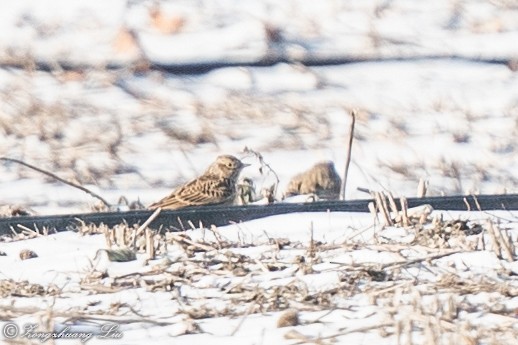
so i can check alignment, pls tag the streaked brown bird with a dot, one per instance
(217, 186)
(321, 179)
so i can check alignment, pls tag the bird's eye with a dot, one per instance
(229, 164)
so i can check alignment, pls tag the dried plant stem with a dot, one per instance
(120, 236)
(422, 188)
(145, 225)
(361, 329)
(263, 163)
(404, 211)
(311, 252)
(392, 203)
(183, 239)
(400, 264)
(373, 211)
(348, 157)
(381, 203)
(150, 244)
(500, 244)
(109, 237)
(494, 242)
(75, 185)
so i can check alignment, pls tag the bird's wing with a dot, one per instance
(202, 191)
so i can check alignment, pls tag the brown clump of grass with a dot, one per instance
(12, 288)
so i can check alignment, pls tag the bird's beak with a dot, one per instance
(244, 165)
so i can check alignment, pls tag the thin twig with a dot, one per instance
(201, 246)
(348, 157)
(146, 224)
(361, 329)
(26, 229)
(86, 190)
(414, 261)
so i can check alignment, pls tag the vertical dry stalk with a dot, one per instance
(385, 208)
(494, 242)
(373, 212)
(421, 188)
(381, 203)
(108, 236)
(312, 242)
(392, 203)
(150, 244)
(504, 246)
(348, 157)
(404, 210)
(120, 236)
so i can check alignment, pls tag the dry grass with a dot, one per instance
(411, 303)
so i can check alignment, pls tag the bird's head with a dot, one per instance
(226, 166)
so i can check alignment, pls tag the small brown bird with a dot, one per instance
(217, 186)
(322, 180)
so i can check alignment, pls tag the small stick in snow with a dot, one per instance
(145, 225)
(345, 331)
(184, 239)
(414, 261)
(27, 230)
(149, 220)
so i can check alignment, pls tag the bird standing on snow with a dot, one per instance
(217, 186)
(322, 180)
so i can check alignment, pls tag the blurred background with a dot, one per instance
(132, 98)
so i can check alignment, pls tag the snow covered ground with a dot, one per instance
(323, 277)
(85, 94)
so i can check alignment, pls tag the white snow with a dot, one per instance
(436, 100)
(65, 258)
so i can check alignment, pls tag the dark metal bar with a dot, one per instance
(177, 220)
